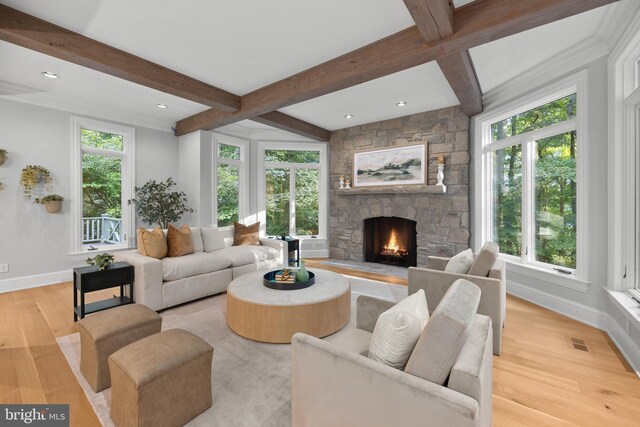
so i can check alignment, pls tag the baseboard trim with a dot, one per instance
(627, 347)
(572, 309)
(314, 253)
(36, 280)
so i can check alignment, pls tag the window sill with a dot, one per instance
(549, 276)
(83, 255)
(626, 304)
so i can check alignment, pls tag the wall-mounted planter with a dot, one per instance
(3, 156)
(53, 206)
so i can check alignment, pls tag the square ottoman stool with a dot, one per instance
(108, 331)
(161, 380)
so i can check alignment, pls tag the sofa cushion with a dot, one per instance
(485, 260)
(243, 255)
(246, 234)
(179, 241)
(212, 239)
(196, 234)
(152, 243)
(191, 265)
(398, 329)
(460, 263)
(445, 334)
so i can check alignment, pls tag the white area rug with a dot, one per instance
(250, 380)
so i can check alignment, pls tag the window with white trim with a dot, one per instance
(229, 178)
(103, 183)
(530, 156)
(293, 189)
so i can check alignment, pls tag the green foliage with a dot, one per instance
(555, 185)
(49, 198)
(101, 175)
(228, 187)
(307, 198)
(291, 156)
(33, 176)
(103, 261)
(156, 203)
(278, 196)
(226, 151)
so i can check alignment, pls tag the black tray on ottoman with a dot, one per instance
(269, 282)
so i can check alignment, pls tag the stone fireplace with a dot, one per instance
(441, 220)
(390, 240)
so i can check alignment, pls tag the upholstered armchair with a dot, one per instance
(334, 383)
(493, 300)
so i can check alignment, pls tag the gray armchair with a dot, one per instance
(493, 300)
(335, 384)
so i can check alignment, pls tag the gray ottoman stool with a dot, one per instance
(108, 331)
(162, 380)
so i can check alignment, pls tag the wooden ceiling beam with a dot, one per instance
(434, 18)
(36, 34)
(477, 23)
(291, 124)
(461, 75)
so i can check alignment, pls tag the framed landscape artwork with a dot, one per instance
(390, 166)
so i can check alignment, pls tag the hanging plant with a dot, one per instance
(31, 177)
(3, 156)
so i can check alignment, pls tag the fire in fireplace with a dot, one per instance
(390, 240)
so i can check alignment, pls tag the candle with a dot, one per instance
(440, 159)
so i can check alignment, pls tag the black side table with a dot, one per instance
(90, 279)
(293, 251)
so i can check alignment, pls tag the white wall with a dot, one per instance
(32, 241)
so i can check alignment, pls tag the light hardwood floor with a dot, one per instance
(540, 379)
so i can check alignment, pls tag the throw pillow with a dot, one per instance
(152, 243)
(398, 329)
(212, 238)
(196, 234)
(246, 234)
(460, 263)
(485, 260)
(179, 241)
(445, 334)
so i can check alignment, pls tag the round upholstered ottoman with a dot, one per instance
(161, 380)
(106, 332)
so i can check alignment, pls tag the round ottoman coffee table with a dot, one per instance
(269, 315)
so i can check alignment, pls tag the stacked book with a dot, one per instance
(285, 276)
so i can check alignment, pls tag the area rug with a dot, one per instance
(250, 380)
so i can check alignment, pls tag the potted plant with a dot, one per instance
(3, 156)
(103, 261)
(52, 202)
(32, 176)
(156, 204)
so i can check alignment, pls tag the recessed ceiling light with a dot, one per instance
(401, 103)
(161, 106)
(348, 116)
(50, 75)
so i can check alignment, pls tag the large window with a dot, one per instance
(103, 177)
(229, 181)
(293, 194)
(531, 181)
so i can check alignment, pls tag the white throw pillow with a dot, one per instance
(397, 330)
(460, 263)
(212, 239)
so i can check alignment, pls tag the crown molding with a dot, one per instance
(268, 135)
(567, 61)
(616, 21)
(83, 109)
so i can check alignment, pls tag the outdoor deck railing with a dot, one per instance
(101, 229)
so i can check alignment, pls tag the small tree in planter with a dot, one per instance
(155, 203)
(52, 202)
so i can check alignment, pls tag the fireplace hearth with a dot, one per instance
(390, 240)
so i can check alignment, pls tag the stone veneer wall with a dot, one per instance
(443, 219)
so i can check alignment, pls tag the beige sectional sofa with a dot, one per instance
(162, 283)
